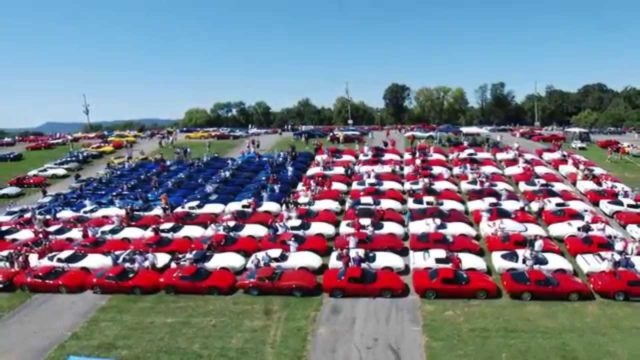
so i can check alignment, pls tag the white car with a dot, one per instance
(336, 170)
(578, 145)
(611, 207)
(510, 226)
(421, 134)
(123, 233)
(300, 227)
(489, 202)
(76, 260)
(320, 205)
(384, 204)
(506, 155)
(14, 234)
(288, 260)
(380, 227)
(379, 260)
(601, 261)
(174, 230)
(439, 185)
(14, 214)
(231, 261)
(468, 185)
(377, 169)
(575, 227)
(337, 157)
(556, 203)
(536, 184)
(430, 201)
(432, 226)
(586, 185)
(198, 207)
(565, 170)
(267, 206)
(384, 185)
(60, 232)
(548, 156)
(69, 166)
(385, 156)
(433, 169)
(10, 192)
(241, 230)
(335, 185)
(49, 172)
(93, 211)
(515, 260)
(437, 258)
(617, 186)
(634, 231)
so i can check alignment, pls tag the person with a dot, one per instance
(456, 263)
(293, 245)
(609, 153)
(632, 248)
(164, 200)
(43, 191)
(357, 260)
(353, 241)
(538, 245)
(266, 259)
(618, 246)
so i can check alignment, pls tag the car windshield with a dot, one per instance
(368, 276)
(520, 277)
(433, 274)
(510, 256)
(503, 213)
(74, 258)
(461, 277)
(61, 230)
(199, 274)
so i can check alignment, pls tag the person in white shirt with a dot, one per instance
(293, 245)
(538, 245)
(353, 242)
(588, 217)
(618, 246)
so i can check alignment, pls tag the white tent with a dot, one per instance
(473, 130)
(576, 130)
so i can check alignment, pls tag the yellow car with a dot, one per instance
(102, 148)
(198, 135)
(120, 159)
(129, 139)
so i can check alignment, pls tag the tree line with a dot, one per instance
(592, 105)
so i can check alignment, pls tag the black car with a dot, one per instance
(10, 156)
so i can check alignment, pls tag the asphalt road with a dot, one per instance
(366, 328)
(40, 324)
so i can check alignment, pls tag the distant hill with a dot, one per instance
(51, 127)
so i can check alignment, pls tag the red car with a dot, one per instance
(165, 244)
(382, 177)
(561, 215)
(458, 243)
(512, 242)
(315, 243)
(530, 284)
(478, 194)
(379, 242)
(247, 217)
(143, 221)
(607, 143)
(617, 284)
(357, 281)
(243, 245)
(548, 193)
(197, 280)
(39, 146)
(120, 280)
(520, 216)
(587, 245)
(450, 283)
(187, 218)
(52, 279)
(378, 193)
(85, 221)
(437, 213)
(6, 278)
(441, 194)
(268, 280)
(28, 181)
(325, 216)
(97, 245)
(375, 214)
(595, 196)
(627, 218)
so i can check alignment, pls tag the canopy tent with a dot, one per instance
(448, 129)
(473, 130)
(576, 130)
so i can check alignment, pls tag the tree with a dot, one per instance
(361, 113)
(397, 99)
(501, 102)
(596, 97)
(196, 117)
(441, 104)
(631, 96)
(262, 115)
(586, 119)
(482, 99)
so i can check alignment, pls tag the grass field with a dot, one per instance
(505, 329)
(199, 148)
(627, 169)
(196, 327)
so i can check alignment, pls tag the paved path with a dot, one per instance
(46, 320)
(372, 329)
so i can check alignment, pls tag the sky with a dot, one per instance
(158, 58)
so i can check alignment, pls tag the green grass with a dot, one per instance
(31, 160)
(627, 169)
(505, 329)
(10, 301)
(196, 327)
(199, 148)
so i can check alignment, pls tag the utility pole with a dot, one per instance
(535, 104)
(85, 110)
(350, 121)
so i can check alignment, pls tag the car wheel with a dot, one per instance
(620, 296)
(136, 291)
(574, 296)
(97, 290)
(213, 291)
(62, 289)
(482, 294)
(430, 294)
(337, 293)
(526, 296)
(297, 292)
(169, 290)
(386, 293)
(253, 291)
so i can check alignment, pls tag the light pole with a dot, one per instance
(349, 121)
(85, 110)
